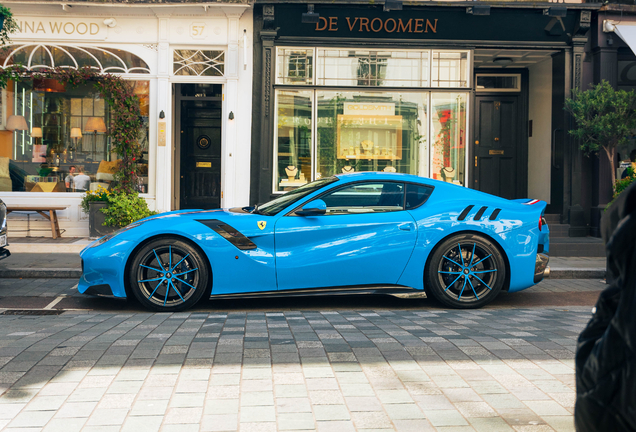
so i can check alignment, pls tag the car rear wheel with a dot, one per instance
(168, 275)
(465, 271)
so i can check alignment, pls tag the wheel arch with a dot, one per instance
(479, 234)
(165, 235)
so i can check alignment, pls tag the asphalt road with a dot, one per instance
(61, 294)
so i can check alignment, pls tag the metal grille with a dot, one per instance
(198, 62)
(31, 312)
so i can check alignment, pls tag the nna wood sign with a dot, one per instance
(436, 23)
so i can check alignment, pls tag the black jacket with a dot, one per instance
(605, 357)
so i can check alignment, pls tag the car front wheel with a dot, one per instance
(168, 275)
(466, 271)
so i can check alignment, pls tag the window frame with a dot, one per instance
(498, 90)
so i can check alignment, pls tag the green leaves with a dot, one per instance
(124, 209)
(604, 117)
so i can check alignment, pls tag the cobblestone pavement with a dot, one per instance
(366, 370)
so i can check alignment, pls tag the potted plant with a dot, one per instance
(125, 208)
(93, 202)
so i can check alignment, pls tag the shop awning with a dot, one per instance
(628, 34)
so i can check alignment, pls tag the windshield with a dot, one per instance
(278, 204)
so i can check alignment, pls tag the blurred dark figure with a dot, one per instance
(606, 352)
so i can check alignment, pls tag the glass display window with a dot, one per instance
(370, 110)
(369, 131)
(63, 145)
(448, 145)
(293, 139)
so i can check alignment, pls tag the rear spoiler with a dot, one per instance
(527, 201)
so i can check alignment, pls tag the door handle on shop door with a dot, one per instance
(406, 226)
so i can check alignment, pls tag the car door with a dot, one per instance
(365, 237)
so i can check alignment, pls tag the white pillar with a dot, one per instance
(164, 182)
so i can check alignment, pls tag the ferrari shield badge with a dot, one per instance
(262, 224)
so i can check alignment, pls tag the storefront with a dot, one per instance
(451, 93)
(190, 65)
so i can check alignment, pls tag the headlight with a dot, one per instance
(104, 239)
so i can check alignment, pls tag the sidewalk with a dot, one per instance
(37, 261)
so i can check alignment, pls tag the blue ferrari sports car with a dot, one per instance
(354, 233)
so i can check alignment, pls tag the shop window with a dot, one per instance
(448, 112)
(369, 131)
(372, 68)
(198, 62)
(103, 60)
(450, 69)
(359, 198)
(295, 66)
(65, 146)
(293, 139)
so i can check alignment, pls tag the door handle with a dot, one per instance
(406, 226)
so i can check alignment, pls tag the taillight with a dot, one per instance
(540, 223)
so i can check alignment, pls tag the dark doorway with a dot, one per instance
(199, 110)
(498, 146)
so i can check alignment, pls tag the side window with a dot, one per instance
(365, 198)
(416, 195)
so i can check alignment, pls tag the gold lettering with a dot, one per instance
(94, 29)
(364, 22)
(85, 27)
(29, 27)
(333, 21)
(55, 27)
(351, 25)
(404, 28)
(66, 26)
(432, 27)
(386, 27)
(373, 28)
(419, 22)
(40, 28)
(321, 19)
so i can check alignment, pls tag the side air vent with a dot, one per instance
(465, 212)
(480, 213)
(229, 233)
(494, 214)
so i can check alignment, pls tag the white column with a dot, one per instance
(163, 178)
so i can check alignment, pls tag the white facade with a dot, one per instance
(152, 32)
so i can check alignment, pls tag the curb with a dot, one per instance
(577, 273)
(46, 247)
(29, 273)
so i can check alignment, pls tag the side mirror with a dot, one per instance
(313, 208)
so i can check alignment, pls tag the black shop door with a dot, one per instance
(200, 177)
(497, 145)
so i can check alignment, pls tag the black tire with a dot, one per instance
(168, 275)
(467, 281)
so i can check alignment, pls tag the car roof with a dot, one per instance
(372, 175)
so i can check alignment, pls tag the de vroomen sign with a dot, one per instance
(422, 23)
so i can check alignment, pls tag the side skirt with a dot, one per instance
(393, 290)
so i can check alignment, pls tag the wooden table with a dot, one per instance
(52, 216)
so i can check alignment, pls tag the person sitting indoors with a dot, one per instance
(81, 181)
(69, 181)
(630, 170)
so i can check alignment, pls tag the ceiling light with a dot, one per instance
(310, 17)
(556, 11)
(478, 10)
(390, 5)
(502, 61)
